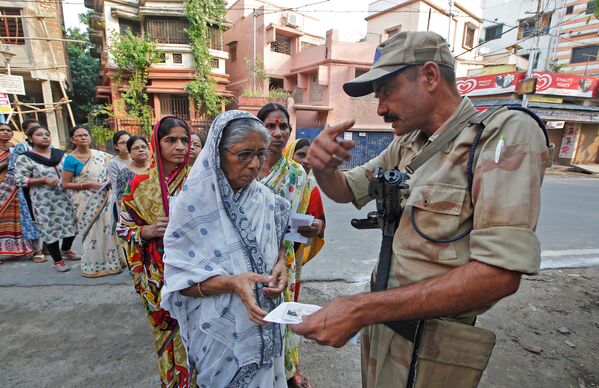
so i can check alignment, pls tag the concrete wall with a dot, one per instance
(304, 29)
(428, 15)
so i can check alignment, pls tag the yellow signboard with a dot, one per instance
(551, 100)
(4, 103)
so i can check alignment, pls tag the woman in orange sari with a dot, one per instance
(12, 243)
(141, 227)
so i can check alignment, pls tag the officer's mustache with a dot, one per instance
(390, 117)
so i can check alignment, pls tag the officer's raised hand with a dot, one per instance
(326, 152)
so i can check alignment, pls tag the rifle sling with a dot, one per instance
(408, 329)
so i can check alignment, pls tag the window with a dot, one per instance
(161, 57)
(126, 24)
(528, 27)
(492, 33)
(167, 30)
(569, 9)
(216, 39)
(177, 58)
(468, 39)
(282, 44)
(275, 83)
(392, 31)
(585, 53)
(591, 6)
(233, 51)
(173, 105)
(360, 72)
(12, 28)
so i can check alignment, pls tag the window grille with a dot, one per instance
(168, 30)
(11, 27)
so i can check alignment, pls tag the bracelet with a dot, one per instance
(80, 186)
(202, 295)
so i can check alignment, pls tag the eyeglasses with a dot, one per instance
(273, 126)
(139, 148)
(248, 156)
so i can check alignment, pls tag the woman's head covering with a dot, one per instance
(295, 145)
(214, 231)
(164, 180)
(148, 193)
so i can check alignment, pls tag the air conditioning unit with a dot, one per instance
(291, 19)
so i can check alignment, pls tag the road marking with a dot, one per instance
(570, 262)
(570, 252)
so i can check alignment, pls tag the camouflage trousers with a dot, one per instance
(386, 357)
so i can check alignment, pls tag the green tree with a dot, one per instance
(133, 56)
(85, 73)
(203, 15)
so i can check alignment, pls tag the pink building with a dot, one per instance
(310, 68)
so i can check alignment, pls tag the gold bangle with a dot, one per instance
(80, 186)
(202, 295)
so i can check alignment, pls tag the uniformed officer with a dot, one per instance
(413, 78)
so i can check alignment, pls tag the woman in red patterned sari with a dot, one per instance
(142, 222)
(12, 243)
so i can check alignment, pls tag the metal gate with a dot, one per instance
(368, 144)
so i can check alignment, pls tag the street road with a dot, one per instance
(567, 228)
(64, 330)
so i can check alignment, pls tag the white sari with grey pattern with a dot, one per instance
(213, 231)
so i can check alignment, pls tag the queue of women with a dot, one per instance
(202, 234)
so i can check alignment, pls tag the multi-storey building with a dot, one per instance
(457, 21)
(577, 42)
(270, 34)
(33, 46)
(166, 24)
(309, 63)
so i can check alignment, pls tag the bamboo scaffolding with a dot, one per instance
(35, 107)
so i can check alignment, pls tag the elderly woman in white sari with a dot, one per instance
(224, 266)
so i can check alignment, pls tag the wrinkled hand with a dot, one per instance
(332, 325)
(326, 153)
(51, 181)
(243, 286)
(156, 230)
(312, 230)
(278, 280)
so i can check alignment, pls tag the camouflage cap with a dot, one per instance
(401, 50)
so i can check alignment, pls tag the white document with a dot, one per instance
(291, 312)
(297, 220)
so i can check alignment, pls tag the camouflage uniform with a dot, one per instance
(504, 208)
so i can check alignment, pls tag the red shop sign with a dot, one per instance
(489, 84)
(566, 84)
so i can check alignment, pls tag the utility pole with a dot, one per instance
(254, 15)
(449, 20)
(534, 51)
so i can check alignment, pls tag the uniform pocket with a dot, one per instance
(437, 208)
